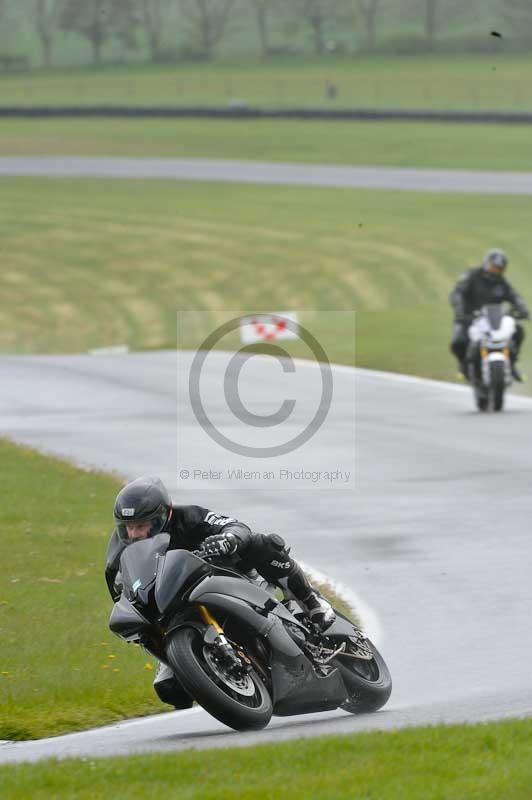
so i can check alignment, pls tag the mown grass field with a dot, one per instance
(89, 263)
(61, 669)
(394, 144)
(495, 81)
(446, 763)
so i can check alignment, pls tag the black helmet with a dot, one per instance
(143, 500)
(495, 261)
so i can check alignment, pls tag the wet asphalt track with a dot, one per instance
(433, 532)
(226, 170)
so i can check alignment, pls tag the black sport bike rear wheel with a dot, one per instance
(365, 675)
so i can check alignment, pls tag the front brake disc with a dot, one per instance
(241, 684)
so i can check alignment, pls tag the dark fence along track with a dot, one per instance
(249, 112)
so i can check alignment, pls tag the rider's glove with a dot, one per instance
(223, 544)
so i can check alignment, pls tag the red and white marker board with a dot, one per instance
(271, 327)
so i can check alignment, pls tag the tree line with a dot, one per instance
(206, 23)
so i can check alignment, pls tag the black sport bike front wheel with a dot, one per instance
(239, 700)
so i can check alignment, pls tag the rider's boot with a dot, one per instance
(168, 688)
(321, 612)
(297, 586)
(516, 373)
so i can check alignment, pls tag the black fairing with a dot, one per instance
(235, 587)
(178, 571)
(494, 313)
(127, 621)
(297, 688)
(138, 566)
(243, 589)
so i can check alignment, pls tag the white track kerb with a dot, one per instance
(433, 536)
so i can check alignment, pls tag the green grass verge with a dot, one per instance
(90, 263)
(61, 668)
(460, 82)
(339, 142)
(446, 763)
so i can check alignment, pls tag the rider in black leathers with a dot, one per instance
(477, 287)
(144, 508)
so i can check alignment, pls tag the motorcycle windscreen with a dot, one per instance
(494, 313)
(138, 563)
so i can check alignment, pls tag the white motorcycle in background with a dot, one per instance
(489, 363)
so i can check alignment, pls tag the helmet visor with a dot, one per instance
(131, 529)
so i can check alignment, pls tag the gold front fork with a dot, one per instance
(240, 661)
(209, 619)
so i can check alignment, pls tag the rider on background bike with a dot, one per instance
(478, 287)
(144, 508)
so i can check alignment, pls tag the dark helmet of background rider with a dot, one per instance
(145, 499)
(495, 262)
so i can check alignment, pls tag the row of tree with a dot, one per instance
(207, 21)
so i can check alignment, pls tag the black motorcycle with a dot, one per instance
(237, 650)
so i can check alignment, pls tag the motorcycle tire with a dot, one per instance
(245, 707)
(497, 384)
(368, 681)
